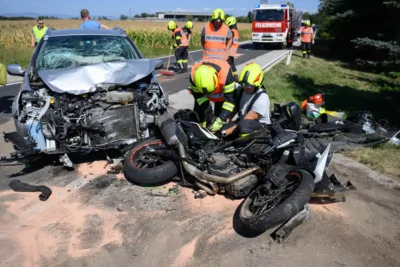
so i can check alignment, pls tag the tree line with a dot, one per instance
(364, 32)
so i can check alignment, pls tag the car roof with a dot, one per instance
(71, 32)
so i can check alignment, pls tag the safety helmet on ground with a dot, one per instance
(218, 14)
(317, 99)
(252, 75)
(189, 25)
(205, 79)
(230, 21)
(171, 25)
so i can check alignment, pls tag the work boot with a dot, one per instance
(308, 56)
(181, 68)
(304, 55)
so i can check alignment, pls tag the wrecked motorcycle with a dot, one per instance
(270, 168)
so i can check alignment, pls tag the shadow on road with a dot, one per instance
(5, 104)
(239, 227)
(53, 160)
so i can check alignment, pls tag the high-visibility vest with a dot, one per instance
(306, 34)
(38, 34)
(218, 94)
(235, 44)
(184, 40)
(215, 41)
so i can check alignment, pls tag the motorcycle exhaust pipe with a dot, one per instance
(209, 177)
(171, 131)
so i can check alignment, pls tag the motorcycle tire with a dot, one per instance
(152, 176)
(281, 213)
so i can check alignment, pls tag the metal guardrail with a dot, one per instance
(270, 64)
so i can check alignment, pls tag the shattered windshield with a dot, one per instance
(75, 51)
(269, 15)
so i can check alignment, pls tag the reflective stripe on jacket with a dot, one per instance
(218, 94)
(183, 39)
(215, 41)
(235, 44)
(306, 34)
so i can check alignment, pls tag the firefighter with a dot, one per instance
(231, 22)
(180, 45)
(307, 36)
(216, 37)
(188, 30)
(38, 32)
(254, 104)
(211, 79)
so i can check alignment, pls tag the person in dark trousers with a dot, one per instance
(211, 80)
(188, 31)
(231, 22)
(180, 45)
(307, 36)
(254, 106)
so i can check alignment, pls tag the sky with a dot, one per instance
(118, 7)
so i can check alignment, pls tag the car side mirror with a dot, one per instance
(159, 64)
(15, 70)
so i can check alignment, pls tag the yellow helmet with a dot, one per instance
(205, 79)
(252, 74)
(218, 14)
(171, 25)
(230, 21)
(189, 25)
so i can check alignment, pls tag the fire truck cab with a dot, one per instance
(275, 24)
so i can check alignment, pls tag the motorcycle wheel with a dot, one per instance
(261, 211)
(148, 169)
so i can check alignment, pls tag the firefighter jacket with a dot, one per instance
(225, 91)
(180, 38)
(215, 41)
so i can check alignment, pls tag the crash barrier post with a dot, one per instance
(276, 60)
(289, 57)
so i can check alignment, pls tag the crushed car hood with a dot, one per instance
(85, 79)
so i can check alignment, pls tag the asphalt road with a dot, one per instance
(95, 218)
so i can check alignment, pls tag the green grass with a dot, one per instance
(19, 55)
(345, 90)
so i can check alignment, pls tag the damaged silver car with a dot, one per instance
(84, 90)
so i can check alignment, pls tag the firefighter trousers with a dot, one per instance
(231, 61)
(306, 48)
(181, 57)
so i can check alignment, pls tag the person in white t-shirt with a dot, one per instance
(254, 107)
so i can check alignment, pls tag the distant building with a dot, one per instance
(183, 15)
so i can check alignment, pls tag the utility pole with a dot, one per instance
(130, 15)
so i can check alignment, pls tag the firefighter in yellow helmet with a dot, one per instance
(307, 37)
(216, 37)
(180, 45)
(188, 30)
(232, 24)
(254, 103)
(211, 79)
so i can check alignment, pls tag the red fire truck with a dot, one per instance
(275, 24)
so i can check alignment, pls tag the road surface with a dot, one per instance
(94, 218)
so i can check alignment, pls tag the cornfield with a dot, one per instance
(17, 34)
